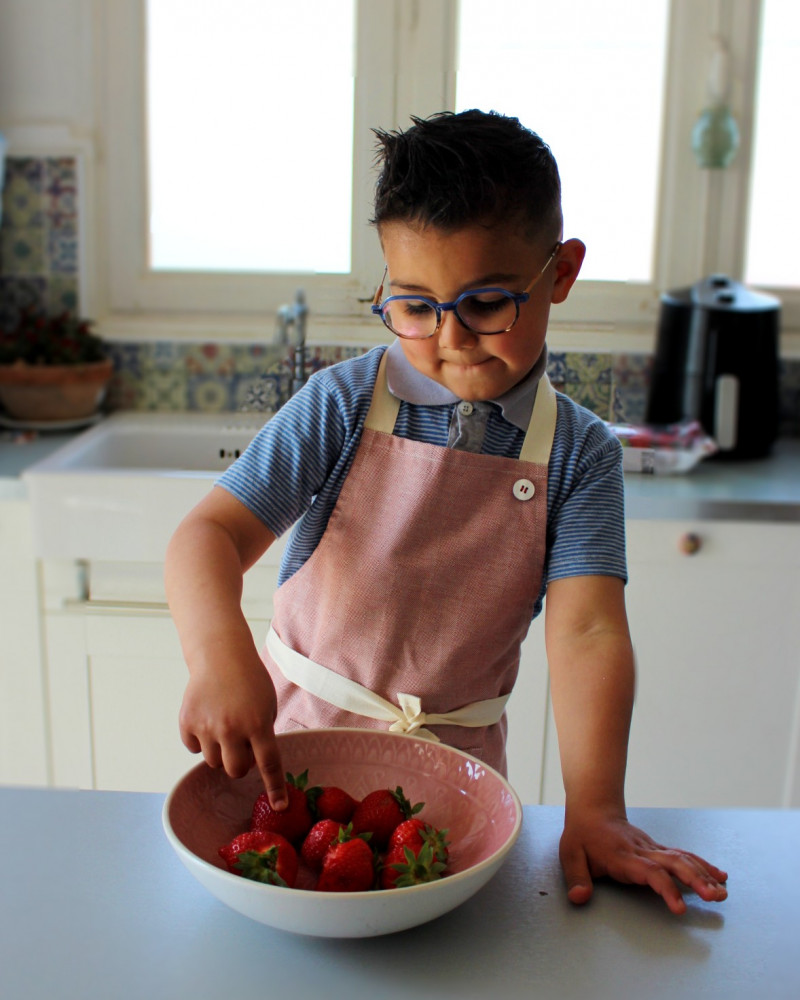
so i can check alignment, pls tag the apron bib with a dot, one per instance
(412, 608)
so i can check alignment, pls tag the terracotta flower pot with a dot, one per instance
(54, 392)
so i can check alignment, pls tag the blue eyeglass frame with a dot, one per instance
(518, 298)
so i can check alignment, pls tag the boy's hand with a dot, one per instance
(595, 844)
(228, 714)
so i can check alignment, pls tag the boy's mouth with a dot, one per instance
(467, 363)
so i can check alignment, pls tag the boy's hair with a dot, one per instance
(452, 170)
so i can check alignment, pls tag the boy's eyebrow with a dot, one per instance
(485, 281)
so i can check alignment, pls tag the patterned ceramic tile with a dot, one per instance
(595, 396)
(62, 294)
(254, 359)
(22, 193)
(39, 236)
(585, 367)
(557, 368)
(62, 252)
(208, 394)
(61, 186)
(630, 388)
(162, 390)
(22, 251)
(629, 403)
(161, 356)
(259, 393)
(127, 358)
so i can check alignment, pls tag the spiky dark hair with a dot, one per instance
(456, 169)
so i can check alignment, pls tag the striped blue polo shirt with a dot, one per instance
(291, 474)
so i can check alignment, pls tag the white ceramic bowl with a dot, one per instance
(479, 808)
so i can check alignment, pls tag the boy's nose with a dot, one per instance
(453, 335)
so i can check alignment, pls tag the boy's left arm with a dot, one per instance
(592, 685)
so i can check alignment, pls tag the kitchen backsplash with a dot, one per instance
(39, 266)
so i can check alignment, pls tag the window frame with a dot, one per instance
(406, 64)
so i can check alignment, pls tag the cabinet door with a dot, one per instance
(527, 717)
(136, 679)
(23, 742)
(715, 721)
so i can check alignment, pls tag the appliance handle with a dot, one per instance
(726, 411)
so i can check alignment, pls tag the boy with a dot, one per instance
(437, 488)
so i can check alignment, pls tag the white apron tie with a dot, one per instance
(350, 696)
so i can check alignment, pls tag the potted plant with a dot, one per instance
(52, 368)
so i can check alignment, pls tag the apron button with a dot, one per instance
(524, 489)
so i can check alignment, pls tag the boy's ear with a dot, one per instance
(567, 266)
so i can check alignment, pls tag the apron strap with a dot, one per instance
(538, 442)
(542, 427)
(350, 696)
(384, 407)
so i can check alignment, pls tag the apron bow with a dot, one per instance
(412, 719)
(351, 696)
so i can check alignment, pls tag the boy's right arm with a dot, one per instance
(229, 706)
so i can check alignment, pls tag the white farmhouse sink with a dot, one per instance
(118, 490)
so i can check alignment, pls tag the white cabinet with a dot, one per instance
(717, 715)
(116, 674)
(23, 723)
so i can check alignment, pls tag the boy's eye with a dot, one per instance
(416, 307)
(485, 303)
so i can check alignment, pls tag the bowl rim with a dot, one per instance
(276, 890)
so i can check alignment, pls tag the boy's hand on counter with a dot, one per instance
(228, 714)
(594, 845)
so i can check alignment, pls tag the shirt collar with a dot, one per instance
(412, 386)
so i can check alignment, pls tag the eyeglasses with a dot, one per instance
(487, 311)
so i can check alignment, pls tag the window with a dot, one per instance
(215, 163)
(615, 88)
(235, 173)
(595, 94)
(774, 215)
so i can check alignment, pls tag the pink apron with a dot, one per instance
(412, 608)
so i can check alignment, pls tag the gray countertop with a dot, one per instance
(94, 904)
(766, 489)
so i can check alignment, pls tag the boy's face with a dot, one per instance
(440, 265)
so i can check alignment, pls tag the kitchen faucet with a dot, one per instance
(291, 330)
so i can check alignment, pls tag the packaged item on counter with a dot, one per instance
(658, 449)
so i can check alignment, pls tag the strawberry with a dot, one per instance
(318, 839)
(295, 820)
(403, 867)
(415, 832)
(263, 856)
(380, 812)
(334, 803)
(349, 865)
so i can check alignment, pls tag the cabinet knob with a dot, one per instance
(690, 543)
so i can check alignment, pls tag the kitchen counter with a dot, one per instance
(765, 489)
(760, 490)
(95, 904)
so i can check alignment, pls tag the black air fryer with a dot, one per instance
(717, 361)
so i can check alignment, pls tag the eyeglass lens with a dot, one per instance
(485, 312)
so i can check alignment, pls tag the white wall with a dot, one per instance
(46, 64)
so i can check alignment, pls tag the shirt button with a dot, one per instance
(465, 408)
(524, 489)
